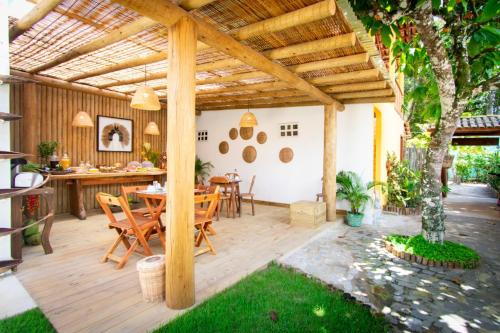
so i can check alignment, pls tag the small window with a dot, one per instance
(203, 135)
(289, 129)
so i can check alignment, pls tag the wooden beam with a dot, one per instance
(69, 85)
(31, 122)
(114, 36)
(258, 106)
(475, 141)
(179, 254)
(147, 77)
(363, 94)
(297, 99)
(326, 44)
(247, 87)
(37, 13)
(390, 99)
(329, 162)
(304, 15)
(341, 88)
(225, 63)
(158, 9)
(257, 95)
(349, 77)
(361, 58)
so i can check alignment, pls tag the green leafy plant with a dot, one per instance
(148, 153)
(403, 184)
(201, 169)
(448, 251)
(47, 149)
(475, 164)
(352, 189)
(31, 167)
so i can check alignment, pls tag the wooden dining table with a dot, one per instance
(235, 198)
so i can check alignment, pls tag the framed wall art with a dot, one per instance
(115, 134)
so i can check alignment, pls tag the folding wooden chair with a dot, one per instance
(129, 190)
(225, 196)
(203, 220)
(134, 227)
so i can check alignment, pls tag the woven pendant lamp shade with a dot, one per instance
(248, 120)
(145, 99)
(82, 119)
(152, 129)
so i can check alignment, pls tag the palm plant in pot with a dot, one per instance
(352, 189)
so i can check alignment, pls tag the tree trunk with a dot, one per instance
(433, 216)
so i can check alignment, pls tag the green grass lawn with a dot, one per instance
(31, 321)
(448, 251)
(278, 300)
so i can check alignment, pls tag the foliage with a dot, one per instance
(31, 167)
(482, 104)
(201, 169)
(278, 300)
(448, 251)
(352, 189)
(47, 149)
(473, 164)
(31, 321)
(148, 153)
(403, 184)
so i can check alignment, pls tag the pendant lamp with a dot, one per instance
(248, 119)
(145, 98)
(152, 129)
(82, 119)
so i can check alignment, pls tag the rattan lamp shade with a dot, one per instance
(152, 129)
(82, 119)
(248, 120)
(145, 99)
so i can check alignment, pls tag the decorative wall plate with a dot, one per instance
(262, 137)
(286, 155)
(249, 154)
(223, 147)
(246, 133)
(233, 133)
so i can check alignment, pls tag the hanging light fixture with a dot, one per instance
(248, 119)
(82, 119)
(152, 129)
(145, 98)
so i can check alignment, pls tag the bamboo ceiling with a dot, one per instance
(73, 24)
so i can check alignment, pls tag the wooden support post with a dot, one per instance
(329, 162)
(179, 256)
(31, 122)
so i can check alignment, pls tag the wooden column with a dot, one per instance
(179, 257)
(330, 161)
(31, 122)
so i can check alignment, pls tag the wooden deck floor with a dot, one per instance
(80, 294)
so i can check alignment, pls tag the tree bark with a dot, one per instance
(433, 216)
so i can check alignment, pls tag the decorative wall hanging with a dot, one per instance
(233, 133)
(289, 129)
(246, 133)
(223, 147)
(114, 134)
(249, 154)
(286, 155)
(203, 135)
(262, 137)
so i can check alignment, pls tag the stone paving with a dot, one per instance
(413, 297)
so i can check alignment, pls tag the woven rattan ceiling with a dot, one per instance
(73, 24)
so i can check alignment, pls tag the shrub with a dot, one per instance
(403, 184)
(474, 164)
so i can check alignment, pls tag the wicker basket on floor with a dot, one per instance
(152, 278)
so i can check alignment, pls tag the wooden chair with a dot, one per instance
(225, 196)
(203, 220)
(250, 194)
(129, 190)
(134, 227)
(320, 195)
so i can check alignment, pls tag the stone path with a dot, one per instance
(413, 297)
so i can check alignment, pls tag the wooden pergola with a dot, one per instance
(203, 55)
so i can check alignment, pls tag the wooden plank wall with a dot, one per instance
(57, 108)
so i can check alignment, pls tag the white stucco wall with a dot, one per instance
(301, 178)
(4, 128)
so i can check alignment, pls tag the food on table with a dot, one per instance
(65, 161)
(133, 166)
(93, 170)
(148, 164)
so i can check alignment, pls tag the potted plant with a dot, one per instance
(201, 169)
(352, 189)
(47, 149)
